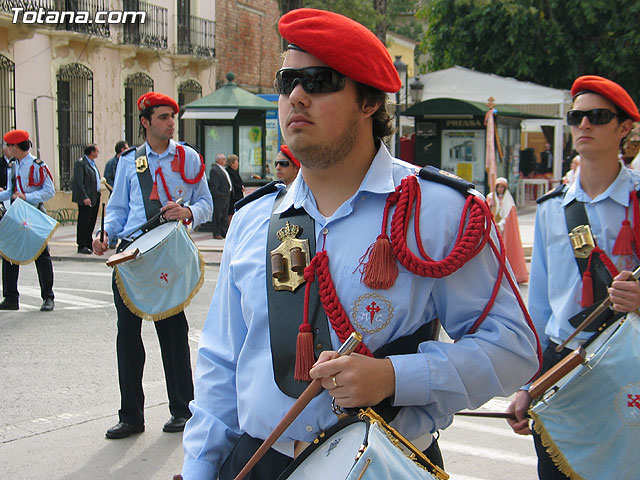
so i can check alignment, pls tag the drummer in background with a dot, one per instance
(600, 118)
(30, 180)
(332, 109)
(287, 166)
(126, 212)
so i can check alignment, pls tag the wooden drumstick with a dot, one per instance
(309, 393)
(606, 303)
(102, 225)
(507, 415)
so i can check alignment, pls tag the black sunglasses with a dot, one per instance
(312, 80)
(597, 116)
(282, 163)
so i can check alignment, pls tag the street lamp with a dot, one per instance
(416, 87)
(401, 68)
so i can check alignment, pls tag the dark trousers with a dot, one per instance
(176, 360)
(547, 470)
(220, 215)
(11, 271)
(86, 223)
(274, 463)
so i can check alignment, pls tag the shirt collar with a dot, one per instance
(618, 191)
(171, 149)
(379, 179)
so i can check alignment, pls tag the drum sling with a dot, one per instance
(151, 207)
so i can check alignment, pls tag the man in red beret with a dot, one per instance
(30, 180)
(287, 166)
(561, 285)
(333, 115)
(151, 179)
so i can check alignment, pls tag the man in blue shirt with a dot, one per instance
(176, 173)
(601, 116)
(30, 180)
(332, 110)
(85, 191)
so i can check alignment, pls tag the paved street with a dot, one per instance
(60, 393)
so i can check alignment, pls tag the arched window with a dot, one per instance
(75, 117)
(7, 94)
(134, 86)
(188, 92)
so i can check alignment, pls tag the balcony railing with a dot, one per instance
(196, 36)
(153, 32)
(72, 15)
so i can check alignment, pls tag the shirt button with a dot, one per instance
(362, 197)
(308, 428)
(325, 231)
(319, 346)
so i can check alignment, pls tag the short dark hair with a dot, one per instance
(120, 146)
(24, 146)
(382, 126)
(89, 149)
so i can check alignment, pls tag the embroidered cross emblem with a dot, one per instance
(372, 308)
(180, 191)
(634, 401)
(25, 223)
(164, 277)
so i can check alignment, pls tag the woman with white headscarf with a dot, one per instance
(504, 213)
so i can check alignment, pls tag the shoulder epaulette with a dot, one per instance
(437, 175)
(130, 149)
(38, 161)
(185, 144)
(559, 190)
(261, 192)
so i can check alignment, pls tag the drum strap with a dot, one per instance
(151, 207)
(285, 308)
(576, 215)
(14, 177)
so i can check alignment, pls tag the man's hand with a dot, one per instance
(87, 202)
(520, 406)
(19, 195)
(100, 247)
(625, 292)
(361, 381)
(173, 211)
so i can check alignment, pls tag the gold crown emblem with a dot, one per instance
(288, 231)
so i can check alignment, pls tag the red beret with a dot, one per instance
(155, 99)
(16, 136)
(609, 90)
(287, 153)
(343, 44)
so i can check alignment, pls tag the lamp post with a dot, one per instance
(416, 88)
(401, 68)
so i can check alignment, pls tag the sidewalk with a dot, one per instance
(63, 243)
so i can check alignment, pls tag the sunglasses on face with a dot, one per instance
(312, 80)
(282, 163)
(597, 116)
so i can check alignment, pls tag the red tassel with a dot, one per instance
(175, 163)
(380, 270)
(154, 192)
(587, 290)
(624, 242)
(305, 357)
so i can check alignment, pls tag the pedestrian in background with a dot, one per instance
(237, 187)
(110, 175)
(220, 186)
(85, 191)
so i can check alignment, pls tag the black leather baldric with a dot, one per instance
(151, 207)
(286, 308)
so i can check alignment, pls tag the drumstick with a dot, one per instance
(507, 415)
(606, 303)
(102, 225)
(311, 391)
(146, 225)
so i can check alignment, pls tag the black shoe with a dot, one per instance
(85, 250)
(175, 424)
(47, 305)
(9, 305)
(123, 430)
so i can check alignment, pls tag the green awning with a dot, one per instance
(451, 107)
(225, 102)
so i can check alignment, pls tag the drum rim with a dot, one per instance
(161, 242)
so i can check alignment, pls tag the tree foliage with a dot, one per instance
(550, 42)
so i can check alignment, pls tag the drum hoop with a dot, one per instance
(161, 242)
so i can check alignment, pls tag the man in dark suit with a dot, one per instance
(86, 193)
(4, 168)
(220, 186)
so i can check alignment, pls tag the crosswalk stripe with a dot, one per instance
(486, 453)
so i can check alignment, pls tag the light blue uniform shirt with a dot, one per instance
(235, 390)
(555, 283)
(34, 195)
(125, 210)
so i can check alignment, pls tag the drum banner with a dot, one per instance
(24, 232)
(161, 282)
(591, 424)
